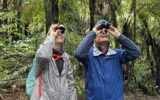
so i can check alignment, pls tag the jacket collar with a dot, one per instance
(97, 52)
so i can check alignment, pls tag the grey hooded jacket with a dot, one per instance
(55, 86)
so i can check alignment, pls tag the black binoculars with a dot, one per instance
(104, 25)
(62, 29)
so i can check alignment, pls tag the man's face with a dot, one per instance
(102, 36)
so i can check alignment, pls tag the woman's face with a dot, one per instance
(59, 39)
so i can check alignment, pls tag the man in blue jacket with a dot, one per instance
(103, 64)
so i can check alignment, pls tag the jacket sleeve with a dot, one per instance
(43, 54)
(81, 53)
(130, 52)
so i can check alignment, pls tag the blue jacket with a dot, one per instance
(103, 71)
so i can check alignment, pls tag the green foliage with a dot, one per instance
(74, 15)
(80, 87)
(72, 39)
(16, 55)
(6, 63)
(33, 11)
(9, 26)
(142, 76)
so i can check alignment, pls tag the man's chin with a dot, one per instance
(104, 40)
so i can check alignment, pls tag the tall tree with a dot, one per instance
(134, 19)
(113, 12)
(17, 6)
(51, 12)
(91, 8)
(4, 4)
(113, 17)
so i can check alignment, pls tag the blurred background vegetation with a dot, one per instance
(24, 24)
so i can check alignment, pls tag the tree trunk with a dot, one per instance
(113, 17)
(126, 25)
(4, 4)
(17, 7)
(25, 31)
(128, 33)
(113, 12)
(51, 12)
(91, 8)
(158, 67)
(18, 4)
(19, 15)
(134, 20)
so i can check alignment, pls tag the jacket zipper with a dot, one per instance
(59, 87)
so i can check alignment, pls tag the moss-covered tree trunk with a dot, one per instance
(91, 8)
(113, 17)
(51, 12)
(4, 4)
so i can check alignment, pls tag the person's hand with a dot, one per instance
(53, 30)
(114, 31)
(96, 29)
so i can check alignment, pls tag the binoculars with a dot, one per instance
(62, 29)
(104, 25)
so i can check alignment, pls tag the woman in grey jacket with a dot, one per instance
(53, 69)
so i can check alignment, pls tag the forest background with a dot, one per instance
(24, 24)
